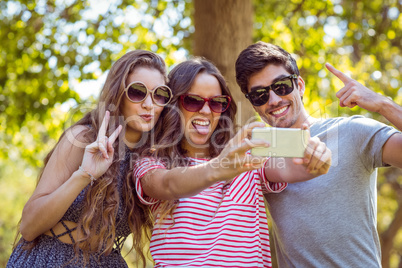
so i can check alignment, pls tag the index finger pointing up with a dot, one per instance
(343, 77)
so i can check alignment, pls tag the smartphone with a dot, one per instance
(285, 142)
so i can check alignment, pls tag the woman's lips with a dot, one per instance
(146, 117)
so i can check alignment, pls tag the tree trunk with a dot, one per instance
(388, 236)
(223, 28)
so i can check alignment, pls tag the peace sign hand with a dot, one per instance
(98, 156)
(354, 93)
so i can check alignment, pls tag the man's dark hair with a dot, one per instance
(256, 57)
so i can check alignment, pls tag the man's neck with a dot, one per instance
(304, 118)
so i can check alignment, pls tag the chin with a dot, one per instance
(146, 128)
(199, 141)
(278, 122)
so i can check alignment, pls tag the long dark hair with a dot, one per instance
(181, 79)
(169, 149)
(98, 226)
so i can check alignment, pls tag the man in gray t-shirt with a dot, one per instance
(328, 221)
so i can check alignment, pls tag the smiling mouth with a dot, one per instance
(279, 111)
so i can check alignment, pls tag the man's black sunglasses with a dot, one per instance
(283, 87)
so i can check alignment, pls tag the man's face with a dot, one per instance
(279, 111)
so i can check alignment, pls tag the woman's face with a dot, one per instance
(200, 125)
(141, 117)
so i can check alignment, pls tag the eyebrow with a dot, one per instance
(278, 78)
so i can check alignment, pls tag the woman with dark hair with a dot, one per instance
(205, 190)
(84, 205)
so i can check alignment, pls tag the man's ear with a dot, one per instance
(300, 86)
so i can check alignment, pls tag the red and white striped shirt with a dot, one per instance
(223, 226)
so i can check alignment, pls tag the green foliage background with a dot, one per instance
(47, 47)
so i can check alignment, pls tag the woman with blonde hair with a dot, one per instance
(84, 207)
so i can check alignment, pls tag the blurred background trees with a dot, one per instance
(54, 57)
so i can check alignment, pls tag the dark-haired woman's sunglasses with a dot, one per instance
(137, 92)
(283, 87)
(194, 103)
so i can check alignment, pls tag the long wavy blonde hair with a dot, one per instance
(97, 227)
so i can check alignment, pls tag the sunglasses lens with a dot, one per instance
(219, 104)
(258, 97)
(283, 88)
(137, 92)
(162, 95)
(192, 103)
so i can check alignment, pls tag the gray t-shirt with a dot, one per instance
(330, 221)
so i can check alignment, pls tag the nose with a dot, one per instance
(273, 98)
(205, 109)
(147, 104)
